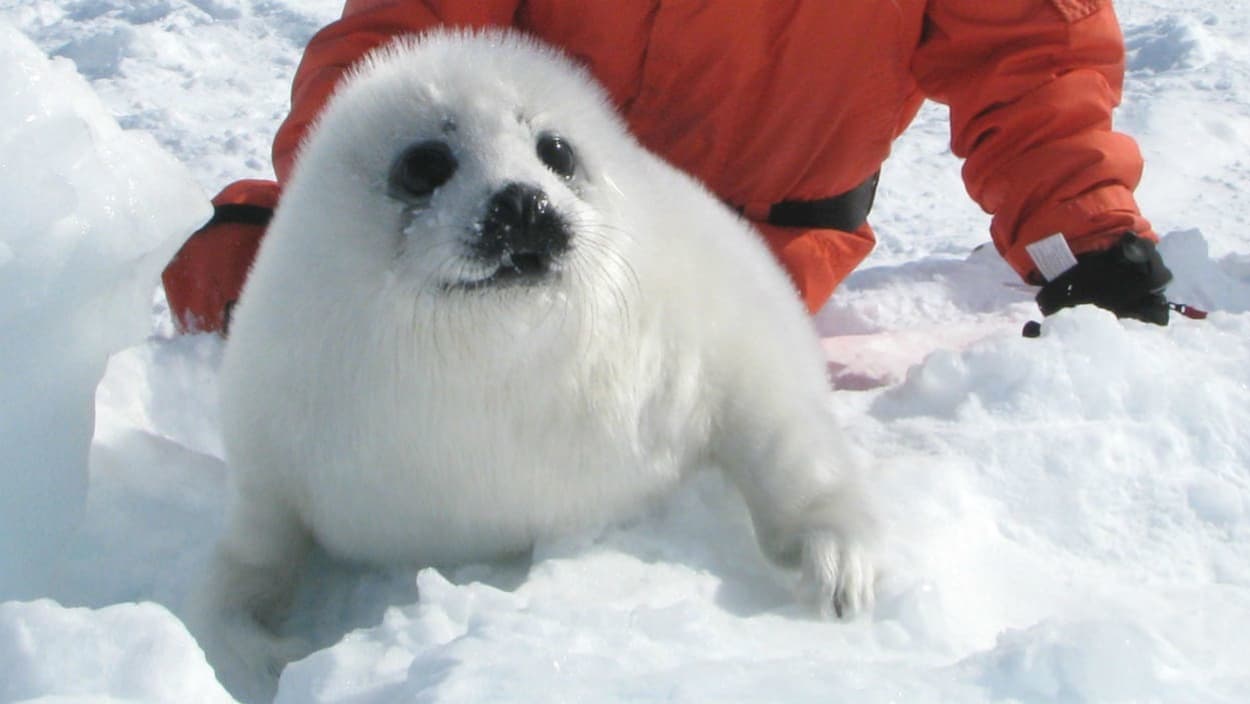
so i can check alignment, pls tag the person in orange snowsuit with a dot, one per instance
(786, 110)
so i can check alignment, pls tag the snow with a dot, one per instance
(80, 250)
(1069, 516)
(134, 652)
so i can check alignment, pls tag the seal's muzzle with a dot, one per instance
(522, 231)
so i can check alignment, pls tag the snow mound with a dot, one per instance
(1110, 439)
(1099, 469)
(92, 214)
(1099, 660)
(127, 653)
(1221, 285)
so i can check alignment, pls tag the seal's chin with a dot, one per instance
(519, 269)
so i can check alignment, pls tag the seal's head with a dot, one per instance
(463, 168)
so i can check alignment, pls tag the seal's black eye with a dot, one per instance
(421, 169)
(557, 154)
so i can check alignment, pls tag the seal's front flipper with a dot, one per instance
(244, 595)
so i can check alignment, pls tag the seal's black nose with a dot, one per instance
(517, 205)
(522, 227)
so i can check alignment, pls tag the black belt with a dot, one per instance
(240, 213)
(844, 212)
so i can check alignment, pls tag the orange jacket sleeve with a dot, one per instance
(1031, 85)
(366, 24)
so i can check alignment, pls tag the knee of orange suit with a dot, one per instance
(206, 276)
(818, 260)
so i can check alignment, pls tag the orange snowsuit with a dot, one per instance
(772, 101)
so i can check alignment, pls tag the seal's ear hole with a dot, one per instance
(557, 154)
(422, 168)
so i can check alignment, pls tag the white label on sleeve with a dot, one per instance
(1052, 256)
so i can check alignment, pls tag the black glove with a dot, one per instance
(1128, 279)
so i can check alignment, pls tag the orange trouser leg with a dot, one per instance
(817, 260)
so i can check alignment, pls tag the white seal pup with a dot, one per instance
(483, 315)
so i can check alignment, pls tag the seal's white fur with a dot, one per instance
(373, 407)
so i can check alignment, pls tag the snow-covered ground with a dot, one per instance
(1069, 516)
